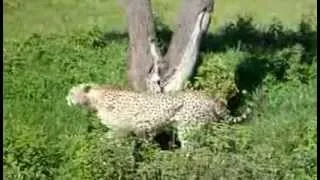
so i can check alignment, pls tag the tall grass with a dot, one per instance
(275, 60)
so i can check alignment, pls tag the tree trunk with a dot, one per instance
(141, 30)
(147, 69)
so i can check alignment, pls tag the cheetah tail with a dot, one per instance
(237, 119)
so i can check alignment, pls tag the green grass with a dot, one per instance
(52, 45)
(64, 17)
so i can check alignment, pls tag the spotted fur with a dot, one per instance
(146, 114)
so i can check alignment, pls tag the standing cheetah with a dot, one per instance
(146, 114)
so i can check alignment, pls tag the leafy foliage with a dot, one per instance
(45, 139)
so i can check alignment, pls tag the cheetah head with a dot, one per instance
(78, 94)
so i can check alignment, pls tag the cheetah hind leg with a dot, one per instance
(183, 133)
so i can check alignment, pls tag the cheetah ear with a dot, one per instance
(87, 88)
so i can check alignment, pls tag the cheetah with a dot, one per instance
(146, 114)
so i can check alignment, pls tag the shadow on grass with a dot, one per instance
(242, 35)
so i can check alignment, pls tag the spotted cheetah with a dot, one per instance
(145, 114)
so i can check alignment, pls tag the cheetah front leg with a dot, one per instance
(145, 132)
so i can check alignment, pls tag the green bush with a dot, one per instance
(30, 154)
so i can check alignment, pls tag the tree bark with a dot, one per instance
(141, 30)
(194, 20)
(147, 69)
